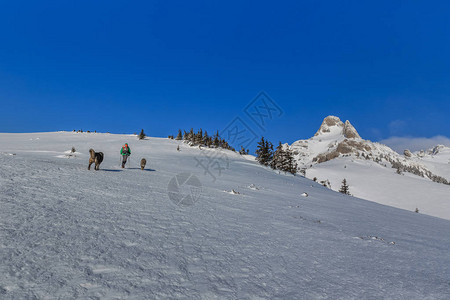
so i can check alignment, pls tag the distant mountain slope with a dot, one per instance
(436, 159)
(340, 142)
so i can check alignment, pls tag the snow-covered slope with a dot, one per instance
(70, 233)
(436, 159)
(372, 181)
(374, 171)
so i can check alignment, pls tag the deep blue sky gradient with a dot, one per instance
(120, 66)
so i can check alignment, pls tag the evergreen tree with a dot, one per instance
(191, 135)
(278, 158)
(260, 151)
(179, 136)
(264, 152)
(216, 141)
(269, 149)
(243, 151)
(344, 188)
(142, 135)
(289, 164)
(285, 161)
(199, 137)
(205, 138)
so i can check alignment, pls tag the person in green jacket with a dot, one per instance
(125, 152)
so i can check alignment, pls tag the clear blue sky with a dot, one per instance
(120, 66)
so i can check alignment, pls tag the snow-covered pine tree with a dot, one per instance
(344, 188)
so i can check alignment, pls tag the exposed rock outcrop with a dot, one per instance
(349, 131)
(332, 123)
(328, 123)
(344, 147)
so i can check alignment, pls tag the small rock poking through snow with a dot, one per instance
(7, 154)
(253, 187)
(375, 238)
(233, 192)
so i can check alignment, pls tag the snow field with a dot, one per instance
(69, 233)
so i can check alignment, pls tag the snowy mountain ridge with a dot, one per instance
(336, 139)
(374, 171)
(438, 149)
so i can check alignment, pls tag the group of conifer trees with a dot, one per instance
(279, 159)
(203, 139)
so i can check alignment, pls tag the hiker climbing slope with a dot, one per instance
(125, 152)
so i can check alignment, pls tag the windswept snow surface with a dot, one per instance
(70, 233)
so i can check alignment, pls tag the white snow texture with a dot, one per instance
(70, 233)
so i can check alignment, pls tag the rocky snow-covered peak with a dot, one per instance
(336, 139)
(333, 139)
(332, 125)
